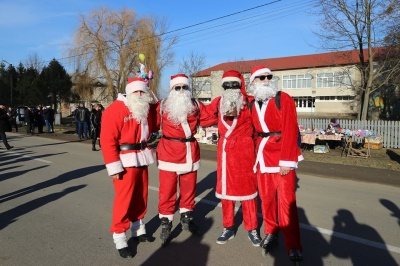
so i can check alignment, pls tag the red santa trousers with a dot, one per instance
(249, 211)
(278, 204)
(168, 191)
(130, 200)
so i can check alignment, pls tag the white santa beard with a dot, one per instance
(139, 106)
(231, 96)
(263, 91)
(178, 105)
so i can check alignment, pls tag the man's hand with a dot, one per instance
(117, 176)
(284, 170)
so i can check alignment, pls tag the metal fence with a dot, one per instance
(389, 130)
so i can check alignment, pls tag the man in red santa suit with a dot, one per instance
(178, 153)
(125, 128)
(277, 157)
(235, 181)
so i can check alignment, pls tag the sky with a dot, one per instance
(221, 30)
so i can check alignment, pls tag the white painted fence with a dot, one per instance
(390, 130)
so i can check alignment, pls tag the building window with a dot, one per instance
(334, 79)
(304, 102)
(202, 86)
(296, 81)
(336, 98)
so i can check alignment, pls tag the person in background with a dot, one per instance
(46, 119)
(51, 118)
(95, 124)
(235, 181)
(178, 154)
(333, 124)
(29, 119)
(5, 126)
(39, 121)
(82, 116)
(74, 114)
(277, 157)
(126, 126)
(12, 113)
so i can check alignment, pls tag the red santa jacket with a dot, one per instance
(177, 156)
(281, 150)
(118, 127)
(236, 155)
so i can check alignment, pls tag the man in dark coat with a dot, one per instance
(5, 126)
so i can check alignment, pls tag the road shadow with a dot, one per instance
(360, 243)
(75, 174)
(189, 252)
(10, 216)
(12, 174)
(391, 206)
(393, 156)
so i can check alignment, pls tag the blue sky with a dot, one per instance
(277, 29)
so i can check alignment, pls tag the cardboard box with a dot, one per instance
(321, 149)
(374, 146)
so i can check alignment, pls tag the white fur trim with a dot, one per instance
(135, 86)
(300, 158)
(135, 159)
(264, 169)
(183, 210)
(290, 164)
(180, 168)
(120, 240)
(236, 198)
(169, 216)
(231, 79)
(259, 72)
(178, 80)
(114, 168)
(138, 228)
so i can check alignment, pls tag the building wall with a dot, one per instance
(311, 101)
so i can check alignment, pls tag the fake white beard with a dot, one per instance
(178, 106)
(139, 106)
(231, 96)
(263, 91)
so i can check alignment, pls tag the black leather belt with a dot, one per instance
(268, 134)
(133, 147)
(180, 139)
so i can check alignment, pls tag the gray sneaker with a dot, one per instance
(226, 235)
(254, 238)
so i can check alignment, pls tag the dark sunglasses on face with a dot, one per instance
(269, 77)
(231, 85)
(178, 88)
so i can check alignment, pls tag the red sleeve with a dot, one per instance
(208, 113)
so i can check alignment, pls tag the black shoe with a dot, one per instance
(187, 222)
(10, 147)
(269, 242)
(166, 226)
(94, 149)
(295, 255)
(125, 253)
(144, 238)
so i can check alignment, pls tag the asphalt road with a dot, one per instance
(55, 204)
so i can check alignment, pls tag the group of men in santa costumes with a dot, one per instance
(257, 133)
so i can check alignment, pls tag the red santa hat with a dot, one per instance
(135, 84)
(178, 79)
(258, 70)
(234, 75)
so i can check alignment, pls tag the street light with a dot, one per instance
(11, 82)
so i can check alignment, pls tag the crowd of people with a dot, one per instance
(259, 130)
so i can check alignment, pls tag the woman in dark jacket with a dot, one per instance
(5, 126)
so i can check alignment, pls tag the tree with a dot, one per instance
(108, 43)
(56, 83)
(34, 61)
(360, 25)
(190, 66)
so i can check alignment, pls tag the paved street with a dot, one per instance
(55, 204)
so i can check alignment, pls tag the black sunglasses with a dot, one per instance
(231, 85)
(185, 87)
(269, 77)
